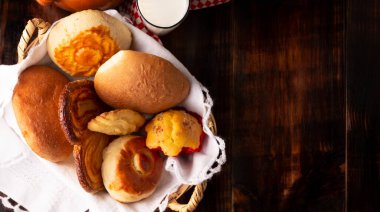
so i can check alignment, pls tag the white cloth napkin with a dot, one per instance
(40, 185)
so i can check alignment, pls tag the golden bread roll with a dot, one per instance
(77, 106)
(84, 40)
(78, 5)
(130, 170)
(141, 82)
(88, 158)
(35, 104)
(117, 122)
(174, 131)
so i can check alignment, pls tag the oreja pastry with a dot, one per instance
(174, 131)
(35, 104)
(130, 170)
(77, 106)
(88, 157)
(117, 122)
(82, 41)
(142, 82)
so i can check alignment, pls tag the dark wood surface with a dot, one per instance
(296, 86)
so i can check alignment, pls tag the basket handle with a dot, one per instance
(195, 198)
(27, 41)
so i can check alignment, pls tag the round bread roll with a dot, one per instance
(35, 104)
(142, 82)
(130, 170)
(82, 41)
(78, 5)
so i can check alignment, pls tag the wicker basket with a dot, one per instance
(30, 37)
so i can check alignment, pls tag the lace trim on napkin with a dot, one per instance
(10, 204)
(221, 158)
(213, 165)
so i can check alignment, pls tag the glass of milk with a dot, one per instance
(162, 16)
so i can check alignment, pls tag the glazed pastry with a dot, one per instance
(130, 170)
(77, 106)
(82, 41)
(174, 131)
(117, 122)
(88, 158)
(35, 103)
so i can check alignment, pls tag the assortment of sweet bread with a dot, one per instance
(103, 122)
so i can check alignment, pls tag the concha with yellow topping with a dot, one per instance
(82, 41)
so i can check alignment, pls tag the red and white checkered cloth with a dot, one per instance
(129, 9)
(200, 4)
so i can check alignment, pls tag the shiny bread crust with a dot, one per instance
(35, 104)
(80, 170)
(74, 92)
(83, 170)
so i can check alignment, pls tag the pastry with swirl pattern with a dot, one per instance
(79, 104)
(130, 171)
(88, 157)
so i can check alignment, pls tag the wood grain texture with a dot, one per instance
(363, 104)
(285, 124)
(289, 77)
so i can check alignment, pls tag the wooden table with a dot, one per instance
(296, 85)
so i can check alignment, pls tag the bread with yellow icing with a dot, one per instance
(82, 41)
(173, 130)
